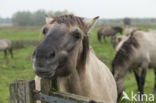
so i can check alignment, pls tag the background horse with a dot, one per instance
(138, 51)
(65, 54)
(5, 45)
(108, 32)
(117, 41)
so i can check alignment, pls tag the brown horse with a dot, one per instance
(5, 45)
(65, 54)
(108, 32)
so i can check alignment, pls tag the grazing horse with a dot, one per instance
(137, 51)
(5, 45)
(65, 54)
(108, 32)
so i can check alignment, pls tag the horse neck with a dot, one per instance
(79, 81)
(70, 83)
(123, 69)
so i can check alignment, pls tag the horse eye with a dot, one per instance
(45, 30)
(77, 35)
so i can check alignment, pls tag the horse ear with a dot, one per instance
(90, 23)
(48, 19)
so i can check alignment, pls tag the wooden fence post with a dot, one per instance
(21, 91)
(46, 86)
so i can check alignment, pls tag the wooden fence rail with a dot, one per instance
(23, 91)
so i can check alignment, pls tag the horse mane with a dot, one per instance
(71, 20)
(125, 52)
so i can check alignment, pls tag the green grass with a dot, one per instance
(19, 33)
(20, 67)
(103, 50)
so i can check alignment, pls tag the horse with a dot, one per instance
(137, 53)
(5, 45)
(108, 32)
(65, 54)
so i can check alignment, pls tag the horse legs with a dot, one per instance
(154, 89)
(99, 37)
(11, 53)
(5, 56)
(5, 53)
(137, 77)
(142, 81)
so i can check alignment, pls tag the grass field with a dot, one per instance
(20, 67)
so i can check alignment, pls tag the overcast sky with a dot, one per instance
(85, 8)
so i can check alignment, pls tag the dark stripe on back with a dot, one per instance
(124, 53)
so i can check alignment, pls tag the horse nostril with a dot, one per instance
(51, 55)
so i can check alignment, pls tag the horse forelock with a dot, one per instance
(71, 20)
(85, 51)
(83, 56)
(124, 54)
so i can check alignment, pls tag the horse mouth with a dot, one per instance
(49, 70)
(45, 72)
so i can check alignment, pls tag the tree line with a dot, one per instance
(128, 21)
(37, 18)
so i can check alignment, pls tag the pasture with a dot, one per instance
(20, 67)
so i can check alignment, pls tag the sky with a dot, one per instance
(84, 8)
